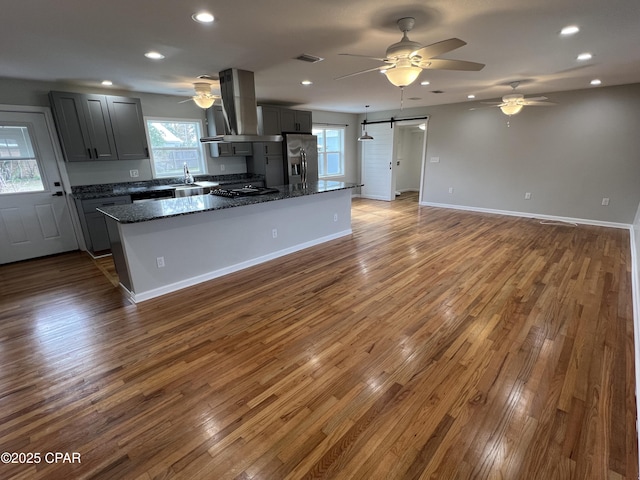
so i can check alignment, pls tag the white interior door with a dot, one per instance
(34, 213)
(377, 163)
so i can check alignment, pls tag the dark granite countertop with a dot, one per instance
(173, 207)
(87, 192)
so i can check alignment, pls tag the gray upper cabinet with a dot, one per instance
(99, 127)
(128, 128)
(295, 121)
(274, 120)
(84, 126)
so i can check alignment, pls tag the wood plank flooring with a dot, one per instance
(430, 344)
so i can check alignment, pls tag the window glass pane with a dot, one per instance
(19, 171)
(330, 151)
(334, 140)
(174, 143)
(333, 164)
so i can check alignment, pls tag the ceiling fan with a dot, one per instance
(405, 59)
(203, 97)
(512, 104)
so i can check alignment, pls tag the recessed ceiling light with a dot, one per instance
(426, 82)
(154, 55)
(569, 30)
(596, 81)
(471, 96)
(306, 82)
(203, 17)
(585, 56)
(107, 83)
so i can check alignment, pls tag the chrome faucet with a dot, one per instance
(188, 178)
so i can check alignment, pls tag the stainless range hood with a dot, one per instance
(238, 119)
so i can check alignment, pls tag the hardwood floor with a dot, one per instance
(430, 344)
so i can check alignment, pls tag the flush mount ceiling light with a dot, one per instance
(569, 30)
(366, 137)
(306, 82)
(154, 55)
(202, 17)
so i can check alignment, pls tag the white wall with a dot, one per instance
(568, 156)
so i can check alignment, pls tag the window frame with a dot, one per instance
(200, 147)
(322, 153)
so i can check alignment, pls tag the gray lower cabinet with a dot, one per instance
(94, 226)
(267, 160)
(99, 127)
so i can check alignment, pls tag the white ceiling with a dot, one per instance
(85, 41)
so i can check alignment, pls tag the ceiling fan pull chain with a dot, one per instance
(401, 98)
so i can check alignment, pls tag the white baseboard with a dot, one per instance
(582, 221)
(149, 294)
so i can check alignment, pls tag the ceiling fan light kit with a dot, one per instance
(203, 97)
(405, 60)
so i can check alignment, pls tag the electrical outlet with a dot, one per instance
(527, 196)
(221, 167)
(134, 173)
(160, 262)
(335, 217)
(274, 233)
(605, 201)
(450, 189)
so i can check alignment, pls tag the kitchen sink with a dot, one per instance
(190, 189)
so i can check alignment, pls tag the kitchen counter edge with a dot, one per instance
(173, 207)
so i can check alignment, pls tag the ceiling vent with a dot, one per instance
(305, 57)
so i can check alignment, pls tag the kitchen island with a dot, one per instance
(166, 245)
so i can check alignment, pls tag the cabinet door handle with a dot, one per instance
(266, 161)
(266, 149)
(89, 152)
(234, 149)
(146, 150)
(96, 150)
(57, 194)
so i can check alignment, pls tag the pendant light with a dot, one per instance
(366, 137)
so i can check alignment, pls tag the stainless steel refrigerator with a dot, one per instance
(300, 158)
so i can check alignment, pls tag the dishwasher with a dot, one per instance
(151, 195)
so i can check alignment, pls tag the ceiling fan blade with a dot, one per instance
(439, 48)
(187, 100)
(535, 99)
(442, 64)
(365, 56)
(538, 104)
(492, 103)
(383, 67)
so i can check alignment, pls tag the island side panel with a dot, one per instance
(205, 245)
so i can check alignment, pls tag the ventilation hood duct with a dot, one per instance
(238, 121)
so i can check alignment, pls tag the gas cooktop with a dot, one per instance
(247, 191)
